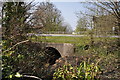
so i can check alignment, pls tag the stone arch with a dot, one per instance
(53, 54)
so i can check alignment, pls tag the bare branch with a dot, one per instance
(15, 45)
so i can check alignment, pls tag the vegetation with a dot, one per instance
(84, 40)
(104, 48)
(113, 8)
(63, 39)
(15, 21)
(94, 57)
(17, 55)
(82, 25)
(14, 29)
(47, 16)
(84, 71)
(104, 67)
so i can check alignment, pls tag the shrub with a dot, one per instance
(86, 70)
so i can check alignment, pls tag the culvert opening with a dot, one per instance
(53, 54)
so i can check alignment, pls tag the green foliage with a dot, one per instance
(67, 72)
(82, 24)
(8, 61)
(15, 21)
(85, 71)
(19, 57)
(90, 71)
(48, 17)
(63, 39)
(30, 58)
(14, 28)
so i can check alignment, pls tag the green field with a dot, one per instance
(74, 40)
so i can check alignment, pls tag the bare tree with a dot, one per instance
(113, 8)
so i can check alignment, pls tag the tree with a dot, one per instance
(18, 54)
(48, 17)
(104, 24)
(112, 7)
(105, 16)
(110, 10)
(82, 24)
(15, 26)
(15, 19)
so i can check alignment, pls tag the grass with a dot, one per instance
(66, 39)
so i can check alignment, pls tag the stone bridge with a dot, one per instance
(54, 51)
(65, 49)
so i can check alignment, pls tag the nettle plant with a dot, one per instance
(85, 71)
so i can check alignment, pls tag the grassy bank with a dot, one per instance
(74, 40)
